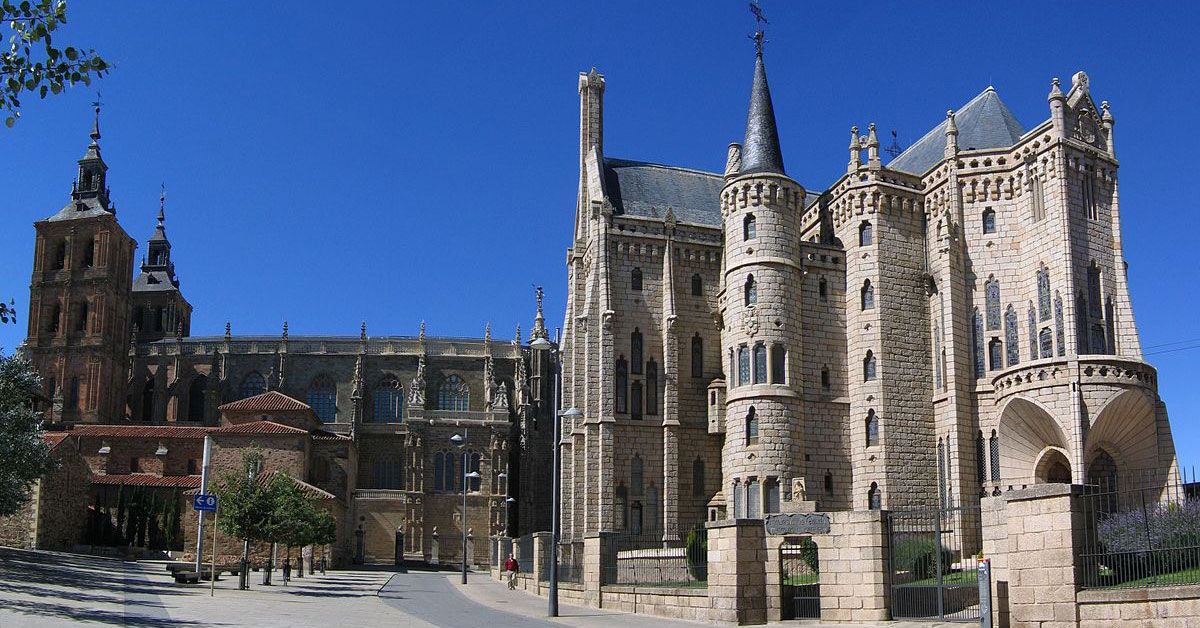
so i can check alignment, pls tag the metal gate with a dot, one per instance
(933, 562)
(800, 581)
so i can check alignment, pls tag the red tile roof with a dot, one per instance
(141, 431)
(270, 401)
(54, 438)
(327, 435)
(146, 479)
(265, 478)
(260, 427)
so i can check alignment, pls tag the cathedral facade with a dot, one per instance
(950, 324)
(114, 348)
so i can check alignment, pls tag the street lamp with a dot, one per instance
(543, 344)
(508, 501)
(459, 442)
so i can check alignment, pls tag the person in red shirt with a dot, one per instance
(511, 567)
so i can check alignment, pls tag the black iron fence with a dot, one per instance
(524, 547)
(570, 562)
(800, 580)
(1140, 538)
(933, 559)
(658, 559)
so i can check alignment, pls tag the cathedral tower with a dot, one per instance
(761, 212)
(79, 299)
(159, 308)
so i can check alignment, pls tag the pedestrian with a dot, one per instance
(322, 564)
(511, 567)
(287, 570)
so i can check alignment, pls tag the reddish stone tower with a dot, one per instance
(79, 300)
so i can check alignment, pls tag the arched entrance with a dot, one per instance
(1053, 467)
(1033, 448)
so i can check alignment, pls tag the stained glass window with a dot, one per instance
(874, 499)
(1098, 342)
(872, 428)
(751, 290)
(743, 366)
(635, 400)
(995, 357)
(322, 398)
(622, 382)
(992, 301)
(989, 221)
(388, 401)
(1046, 343)
(753, 499)
(1094, 290)
(866, 235)
(994, 454)
(751, 425)
(635, 279)
(1058, 325)
(778, 364)
(635, 351)
(697, 285)
(748, 227)
(760, 363)
(977, 341)
(1033, 331)
(980, 458)
(652, 387)
(1010, 336)
(252, 384)
(869, 366)
(868, 295)
(454, 394)
(1043, 286)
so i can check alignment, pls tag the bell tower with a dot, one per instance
(159, 308)
(79, 299)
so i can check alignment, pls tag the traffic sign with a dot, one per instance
(204, 503)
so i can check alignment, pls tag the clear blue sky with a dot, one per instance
(393, 162)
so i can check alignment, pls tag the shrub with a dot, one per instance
(808, 552)
(696, 552)
(1161, 537)
(917, 554)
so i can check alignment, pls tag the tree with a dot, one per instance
(297, 521)
(8, 312)
(32, 63)
(24, 454)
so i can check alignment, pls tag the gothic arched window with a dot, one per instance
(751, 426)
(454, 394)
(989, 221)
(450, 473)
(1099, 345)
(1094, 304)
(823, 288)
(995, 354)
(751, 291)
(622, 382)
(322, 398)
(697, 356)
(387, 473)
(980, 459)
(1033, 332)
(1043, 288)
(992, 301)
(1010, 336)
(866, 234)
(55, 319)
(869, 366)
(743, 358)
(994, 454)
(635, 400)
(760, 363)
(977, 342)
(635, 351)
(1037, 200)
(81, 317)
(698, 477)
(825, 379)
(874, 499)
(778, 364)
(89, 254)
(872, 428)
(60, 256)
(388, 401)
(439, 471)
(868, 295)
(196, 398)
(635, 279)
(697, 285)
(252, 384)
(652, 387)
(748, 227)
(471, 459)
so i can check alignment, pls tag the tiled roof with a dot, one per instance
(54, 438)
(645, 189)
(265, 478)
(260, 427)
(270, 401)
(146, 479)
(326, 435)
(140, 431)
(983, 123)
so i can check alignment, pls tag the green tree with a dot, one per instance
(32, 63)
(24, 454)
(8, 312)
(245, 504)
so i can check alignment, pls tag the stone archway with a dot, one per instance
(1028, 435)
(1053, 467)
(1122, 444)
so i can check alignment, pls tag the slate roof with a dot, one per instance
(270, 401)
(146, 479)
(155, 281)
(71, 211)
(760, 150)
(638, 188)
(984, 122)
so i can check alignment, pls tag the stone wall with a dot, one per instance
(1165, 607)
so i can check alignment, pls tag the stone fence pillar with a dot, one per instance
(854, 567)
(599, 563)
(993, 518)
(1045, 535)
(541, 556)
(737, 557)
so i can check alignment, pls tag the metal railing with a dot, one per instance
(1140, 538)
(570, 562)
(648, 559)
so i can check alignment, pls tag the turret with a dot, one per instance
(1057, 102)
(761, 208)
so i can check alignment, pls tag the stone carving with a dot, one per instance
(750, 321)
(799, 490)
(500, 401)
(798, 523)
(416, 394)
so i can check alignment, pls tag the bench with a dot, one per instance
(186, 577)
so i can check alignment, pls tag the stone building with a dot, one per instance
(116, 355)
(925, 331)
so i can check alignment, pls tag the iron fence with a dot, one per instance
(525, 554)
(933, 561)
(658, 559)
(800, 580)
(570, 562)
(1140, 538)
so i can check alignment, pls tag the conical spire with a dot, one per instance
(539, 322)
(760, 151)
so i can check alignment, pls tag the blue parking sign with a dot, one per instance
(204, 502)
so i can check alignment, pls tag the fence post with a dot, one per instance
(737, 557)
(1046, 532)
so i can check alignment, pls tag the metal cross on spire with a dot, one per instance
(162, 203)
(96, 124)
(759, 19)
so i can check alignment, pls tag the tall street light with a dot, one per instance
(460, 442)
(542, 344)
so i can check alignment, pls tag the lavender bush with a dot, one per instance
(1162, 538)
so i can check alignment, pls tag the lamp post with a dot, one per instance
(460, 442)
(542, 344)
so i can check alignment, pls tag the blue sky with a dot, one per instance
(392, 162)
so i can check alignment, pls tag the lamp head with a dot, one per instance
(457, 440)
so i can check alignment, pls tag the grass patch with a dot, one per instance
(802, 579)
(951, 578)
(1183, 576)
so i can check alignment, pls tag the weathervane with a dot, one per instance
(759, 18)
(894, 149)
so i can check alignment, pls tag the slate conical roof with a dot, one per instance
(760, 150)
(983, 123)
